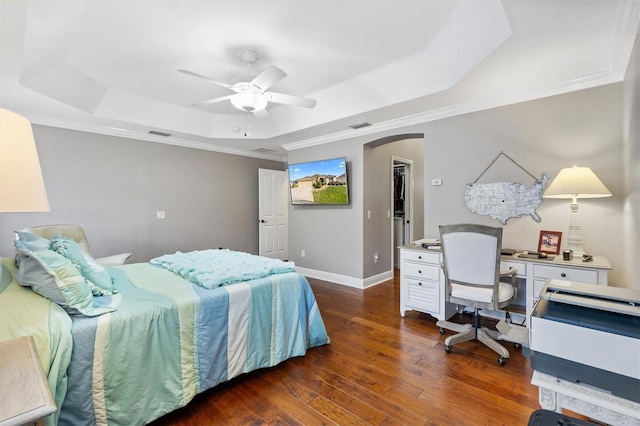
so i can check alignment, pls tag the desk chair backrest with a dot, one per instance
(471, 263)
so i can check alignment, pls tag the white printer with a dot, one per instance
(589, 334)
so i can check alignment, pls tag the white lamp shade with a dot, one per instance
(578, 182)
(21, 185)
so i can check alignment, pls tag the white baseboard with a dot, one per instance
(345, 279)
(378, 279)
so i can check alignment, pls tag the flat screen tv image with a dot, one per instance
(321, 182)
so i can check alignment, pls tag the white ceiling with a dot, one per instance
(111, 66)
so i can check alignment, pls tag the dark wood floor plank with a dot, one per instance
(380, 369)
(288, 400)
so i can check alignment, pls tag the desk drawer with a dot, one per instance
(422, 256)
(424, 296)
(421, 270)
(521, 267)
(565, 273)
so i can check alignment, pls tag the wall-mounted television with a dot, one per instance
(322, 182)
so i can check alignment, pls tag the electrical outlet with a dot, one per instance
(302, 253)
(375, 257)
(436, 182)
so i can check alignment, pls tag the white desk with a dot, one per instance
(536, 272)
(556, 395)
(422, 279)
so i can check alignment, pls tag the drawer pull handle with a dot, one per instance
(420, 257)
(563, 275)
(419, 283)
(419, 271)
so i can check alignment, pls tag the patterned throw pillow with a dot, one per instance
(53, 276)
(98, 277)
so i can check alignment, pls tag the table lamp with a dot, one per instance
(576, 182)
(21, 184)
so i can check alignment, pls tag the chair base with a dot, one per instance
(466, 332)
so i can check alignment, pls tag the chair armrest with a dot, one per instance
(114, 260)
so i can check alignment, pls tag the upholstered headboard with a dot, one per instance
(74, 232)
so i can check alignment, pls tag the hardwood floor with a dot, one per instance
(380, 369)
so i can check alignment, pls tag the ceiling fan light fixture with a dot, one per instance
(249, 102)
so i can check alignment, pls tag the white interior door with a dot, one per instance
(273, 208)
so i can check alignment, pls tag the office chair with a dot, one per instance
(471, 263)
(76, 233)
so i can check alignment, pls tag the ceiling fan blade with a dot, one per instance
(210, 80)
(261, 114)
(268, 78)
(281, 98)
(212, 101)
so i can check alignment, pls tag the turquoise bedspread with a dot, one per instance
(215, 268)
(169, 339)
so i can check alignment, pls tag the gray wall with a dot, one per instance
(113, 187)
(378, 196)
(545, 135)
(631, 154)
(331, 236)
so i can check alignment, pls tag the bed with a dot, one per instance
(160, 340)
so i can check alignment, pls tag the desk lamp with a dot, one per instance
(576, 182)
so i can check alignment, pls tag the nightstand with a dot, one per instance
(24, 390)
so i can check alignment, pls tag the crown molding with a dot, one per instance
(130, 134)
(586, 82)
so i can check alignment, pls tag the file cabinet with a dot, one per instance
(422, 283)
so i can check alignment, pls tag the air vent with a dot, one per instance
(159, 133)
(263, 150)
(360, 125)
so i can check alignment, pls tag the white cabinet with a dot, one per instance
(594, 272)
(422, 283)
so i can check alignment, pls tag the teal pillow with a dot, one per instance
(99, 278)
(53, 276)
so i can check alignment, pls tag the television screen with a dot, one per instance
(319, 182)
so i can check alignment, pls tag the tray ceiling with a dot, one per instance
(111, 67)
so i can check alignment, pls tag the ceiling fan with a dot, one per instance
(252, 96)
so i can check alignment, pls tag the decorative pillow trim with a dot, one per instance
(97, 276)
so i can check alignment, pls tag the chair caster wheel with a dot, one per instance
(447, 349)
(441, 331)
(517, 346)
(501, 361)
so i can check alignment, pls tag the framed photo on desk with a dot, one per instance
(549, 242)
